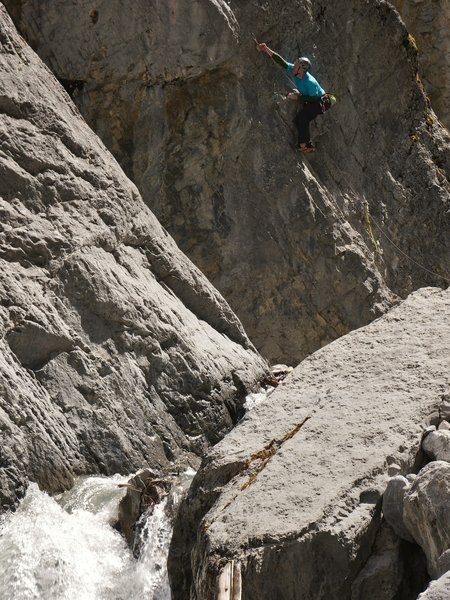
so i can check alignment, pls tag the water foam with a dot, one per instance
(65, 548)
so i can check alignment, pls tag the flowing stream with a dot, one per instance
(64, 547)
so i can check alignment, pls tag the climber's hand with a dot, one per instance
(264, 48)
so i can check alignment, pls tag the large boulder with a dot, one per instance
(437, 445)
(393, 498)
(197, 118)
(293, 493)
(426, 511)
(116, 352)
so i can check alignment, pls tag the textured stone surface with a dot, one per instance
(298, 482)
(437, 445)
(426, 512)
(195, 115)
(116, 352)
(429, 22)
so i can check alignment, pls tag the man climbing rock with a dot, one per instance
(314, 101)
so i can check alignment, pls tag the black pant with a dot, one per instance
(306, 114)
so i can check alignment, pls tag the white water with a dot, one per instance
(252, 400)
(66, 549)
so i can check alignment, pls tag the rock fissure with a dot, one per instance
(267, 453)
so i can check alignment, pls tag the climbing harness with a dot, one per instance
(327, 101)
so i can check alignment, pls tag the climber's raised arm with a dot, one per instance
(264, 48)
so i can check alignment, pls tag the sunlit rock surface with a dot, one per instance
(116, 352)
(294, 491)
(197, 118)
(429, 23)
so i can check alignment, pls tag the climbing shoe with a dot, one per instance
(305, 148)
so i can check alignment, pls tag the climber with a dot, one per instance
(314, 100)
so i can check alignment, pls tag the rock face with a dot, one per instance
(116, 352)
(180, 96)
(298, 482)
(429, 23)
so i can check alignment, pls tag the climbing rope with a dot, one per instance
(410, 258)
(289, 79)
(368, 219)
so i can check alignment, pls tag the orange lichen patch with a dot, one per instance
(420, 82)
(412, 42)
(267, 452)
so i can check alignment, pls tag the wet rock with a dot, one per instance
(437, 445)
(116, 352)
(144, 491)
(393, 506)
(294, 483)
(426, 511)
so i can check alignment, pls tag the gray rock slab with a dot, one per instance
(293, 492)
(117, 353)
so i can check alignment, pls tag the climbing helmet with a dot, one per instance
(304, 62)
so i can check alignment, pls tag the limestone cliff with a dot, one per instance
(293, 492)
(116, 352)
(196, 117)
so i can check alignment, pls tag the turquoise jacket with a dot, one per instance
(308, 86)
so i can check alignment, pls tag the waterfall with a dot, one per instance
(64, 547)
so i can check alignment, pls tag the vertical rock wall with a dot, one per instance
(196, 117)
